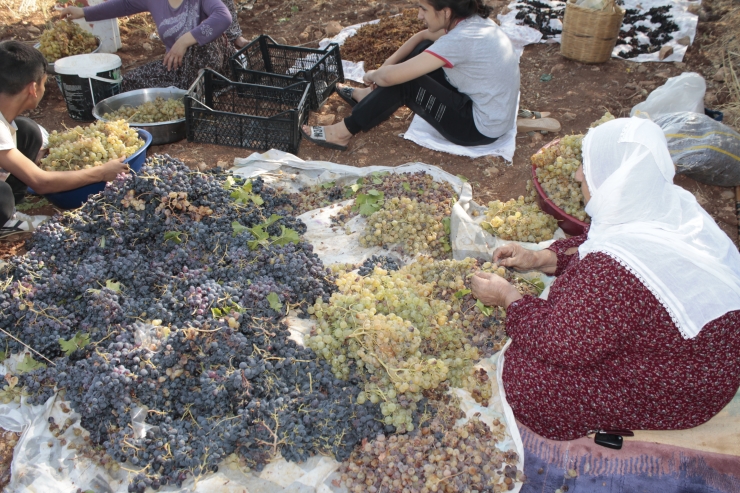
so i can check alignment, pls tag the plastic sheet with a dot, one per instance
(702, 148)
(684, 92)
(45, 463)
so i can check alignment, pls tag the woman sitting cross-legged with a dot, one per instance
(461, 75)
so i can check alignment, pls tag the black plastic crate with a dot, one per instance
(220, 111)
(322, 68)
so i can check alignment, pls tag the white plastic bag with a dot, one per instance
(702, 148)
(682, 93)
(593, 4)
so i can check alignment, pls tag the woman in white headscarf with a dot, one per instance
(641, 329)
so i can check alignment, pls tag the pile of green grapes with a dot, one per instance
(87, 147)
(408, 333)
(556, 172)
(159, 110)
(66, 39)
(519, 221)
(418, 227)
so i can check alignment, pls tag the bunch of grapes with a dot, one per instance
(87, 147)
(417, 226)
(519, 221)
(440, 457)
(556, 173)
(408, 333)
(66, 39)
(418, 186)
(159, 110)
(484, 327)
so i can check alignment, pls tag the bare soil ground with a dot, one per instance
(583, 92)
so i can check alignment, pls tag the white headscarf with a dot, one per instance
(654, 228)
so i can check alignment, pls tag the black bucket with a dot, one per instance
(88, 79)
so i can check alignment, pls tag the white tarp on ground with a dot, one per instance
(421, 132)
(685, 20)
(42, 464)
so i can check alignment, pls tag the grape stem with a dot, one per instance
(27, 346)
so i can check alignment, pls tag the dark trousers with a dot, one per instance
(431, 97)
(12, 191)
(29, 144)
(7, 203)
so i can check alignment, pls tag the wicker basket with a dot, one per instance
(589, 35)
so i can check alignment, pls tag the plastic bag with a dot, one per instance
(593, 4)
(702, 148)
(682, 93)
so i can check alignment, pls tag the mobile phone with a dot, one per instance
(609, 440)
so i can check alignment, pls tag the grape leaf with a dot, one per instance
(271, 220)
(229, 182)
(287, 236)
(406, 186)
(113, 286)
(462, 293)
(446, 224)
(274, 301)
(361, 181)
(485, 310)
(238, 228)
(29, 364)
(328, 184)
(173, 236)
(244, 195)
(12, 380)
(377, 181)
(80, 340)
(368, 209)
(3, 356)
(462, 177)
(368, 203)
(216, 313)
(261, 237)
(354, 188)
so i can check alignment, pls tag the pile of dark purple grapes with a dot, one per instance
(165, 292)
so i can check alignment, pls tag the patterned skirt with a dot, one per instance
(214, 55)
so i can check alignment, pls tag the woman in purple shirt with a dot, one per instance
(196, 33)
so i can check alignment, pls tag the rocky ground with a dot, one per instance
(576, 95)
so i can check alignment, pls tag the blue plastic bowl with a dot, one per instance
(72, 199)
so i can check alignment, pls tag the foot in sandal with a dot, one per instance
(352, 95)
(332, 137)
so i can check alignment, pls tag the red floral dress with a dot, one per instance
(602, 353)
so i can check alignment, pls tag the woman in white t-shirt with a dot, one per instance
(461, 75)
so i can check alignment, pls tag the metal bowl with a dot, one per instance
(50, 65)
(162, 132)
